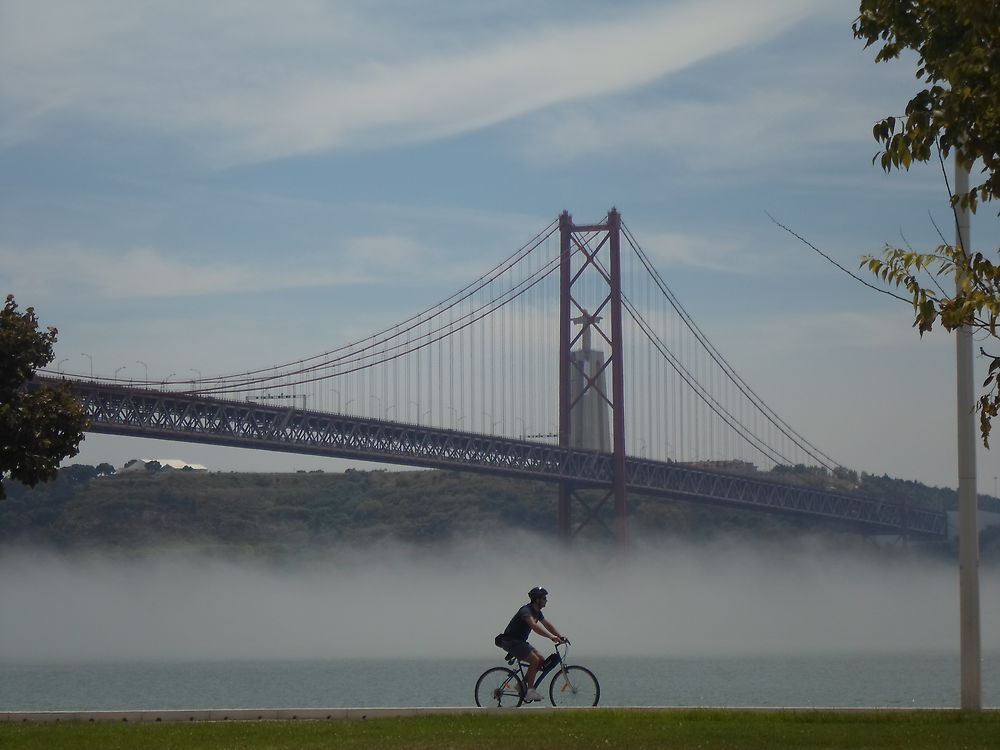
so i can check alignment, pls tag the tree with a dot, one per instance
(39, 427)
(957, 43)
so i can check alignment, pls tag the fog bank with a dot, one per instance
(397, 601)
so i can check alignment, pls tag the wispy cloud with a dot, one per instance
(145, 272)
(712, 253)
(747, 130)
(261, 83)
(748, 112)
(785, 337)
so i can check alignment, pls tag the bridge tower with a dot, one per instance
(590, 259)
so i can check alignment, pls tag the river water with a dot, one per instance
(851, 680)
(710, 623)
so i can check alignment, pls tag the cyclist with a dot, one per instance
(514, 640)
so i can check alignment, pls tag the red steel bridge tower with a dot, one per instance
(590, 294)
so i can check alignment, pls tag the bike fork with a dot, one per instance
(566, 685)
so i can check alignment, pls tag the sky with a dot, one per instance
(203, 189)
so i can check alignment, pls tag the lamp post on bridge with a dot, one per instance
(145, 368)
(84, 354)
(491, 423)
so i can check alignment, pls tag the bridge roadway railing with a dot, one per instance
(123, 410)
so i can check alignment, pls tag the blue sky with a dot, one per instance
(213, 188)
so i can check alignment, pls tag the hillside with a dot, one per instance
(283, 515)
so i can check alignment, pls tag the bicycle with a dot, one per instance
(572, 685)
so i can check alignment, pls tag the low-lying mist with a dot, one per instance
(678, 599)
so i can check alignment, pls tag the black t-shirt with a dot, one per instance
(518, 627)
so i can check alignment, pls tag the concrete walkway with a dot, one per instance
(232, 714)
(260, 714)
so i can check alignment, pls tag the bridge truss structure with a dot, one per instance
(124, 410)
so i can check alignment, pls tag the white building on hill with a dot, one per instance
(165, 464)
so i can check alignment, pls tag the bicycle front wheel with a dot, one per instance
(574, 686)
(499, 687)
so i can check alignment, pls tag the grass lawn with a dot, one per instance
(601, 728)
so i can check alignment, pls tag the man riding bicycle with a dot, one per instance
(514, 640)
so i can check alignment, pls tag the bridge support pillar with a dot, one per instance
(590, 257)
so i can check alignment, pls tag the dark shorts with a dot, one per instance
(515, 646)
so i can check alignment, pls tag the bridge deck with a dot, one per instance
(121, 410)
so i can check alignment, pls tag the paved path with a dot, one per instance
(258, 714)
(231, 714)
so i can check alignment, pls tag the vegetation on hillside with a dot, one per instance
(279, 516)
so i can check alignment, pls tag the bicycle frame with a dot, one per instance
(559, 663)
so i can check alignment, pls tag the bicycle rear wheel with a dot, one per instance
(574, 686)
(499, 687)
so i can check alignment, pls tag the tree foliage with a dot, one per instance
(958, 47)
(40, 427)
(957, 43)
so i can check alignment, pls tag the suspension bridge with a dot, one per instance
(570, 361)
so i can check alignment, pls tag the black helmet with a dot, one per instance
(537, 592)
